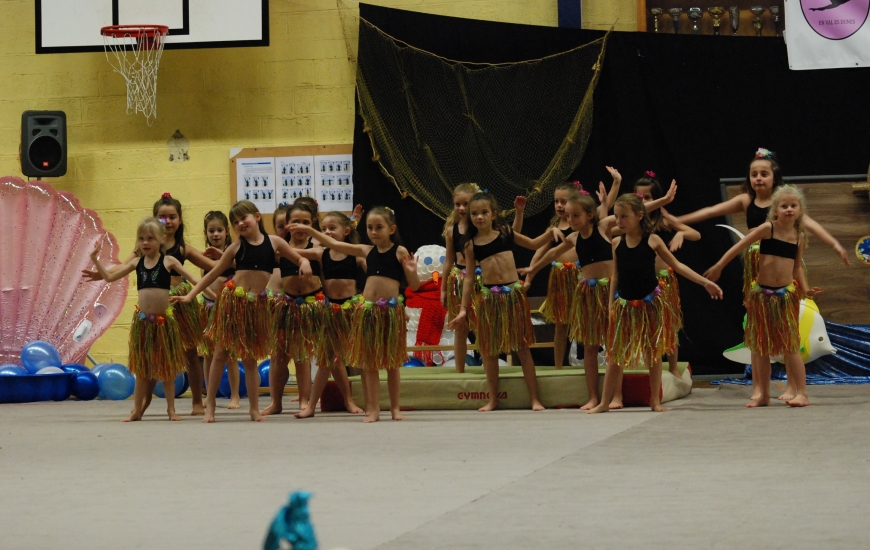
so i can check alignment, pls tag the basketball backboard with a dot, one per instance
(64, 26)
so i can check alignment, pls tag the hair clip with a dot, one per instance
(165, 196)
(650, 173)
(162, 219)
(583, 192)
(285, 203)
(577, 185)
(486, 190)
(639, 195)
(390, 210)
(763, 153)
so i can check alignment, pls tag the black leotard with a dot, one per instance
(289, 269)
(176, 253)
(565, 232)
(498, 245)
(457, 245)
(156, 277)
(755, 215)
(256, 258)
(594, 249)
(384, 264)
(777, 247)
(338, 269)
(636, 269)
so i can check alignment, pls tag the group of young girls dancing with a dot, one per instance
(294, 295)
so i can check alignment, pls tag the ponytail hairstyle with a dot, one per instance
(167, 200)
(154, 227)
(788, 191)
(764, 154)
(498, 222)
(573, 188)
(453, 217)
(635, 203)
(219, 216)
(282, 209)
(313, 208)
(301, 207)
(390, 217)
(585, 202)
(344, 221)
(655, 189)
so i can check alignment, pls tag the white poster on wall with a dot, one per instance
(256, 183)
(334, 182)
(295, 178)
(827, 34)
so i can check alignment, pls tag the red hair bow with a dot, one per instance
(165, 196)
(650, 173)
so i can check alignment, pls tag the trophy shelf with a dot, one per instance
(646, 23)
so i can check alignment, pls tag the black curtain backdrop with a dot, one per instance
(691, 108)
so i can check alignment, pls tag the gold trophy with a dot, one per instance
(734, 18)
(655, 13)
(694, 15)
(757, 23)
(675, 14)
(716, 12)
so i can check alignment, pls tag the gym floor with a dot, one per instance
(708, 474)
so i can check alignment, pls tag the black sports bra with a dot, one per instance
(176, 253)
(384, 264)
(338, 269)
(156, 277)
(755, 215)
(289, 269)
(777, 247)
(565, 232)
(498, 245)
(457, 238)
(256, 258)
(594, 249)
(635, 269)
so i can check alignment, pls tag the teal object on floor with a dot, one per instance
(292, 524)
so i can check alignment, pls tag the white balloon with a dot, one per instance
(49, 370)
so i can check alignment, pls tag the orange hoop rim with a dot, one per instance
(120, 31)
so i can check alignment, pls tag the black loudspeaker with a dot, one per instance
(43, 143)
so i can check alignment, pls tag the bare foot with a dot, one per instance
(756, 395)
(591, 404)
(488, 407)
(353, 408)
(234, 404)
(753, 403)
(659, 408)
(787, 396)
(616, 404)
(397, 415)
(600, 408)
(197, 410)
(372, 416)
(303, 404)
(208, 418)
(307, 413)
(536, 406)
(799, 401)
(134, 417)
(256, 416)
(273, 408)
(174, 417)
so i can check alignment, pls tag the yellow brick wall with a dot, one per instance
(297, 91)
(602, 14)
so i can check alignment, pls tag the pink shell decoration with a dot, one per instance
(47, 238)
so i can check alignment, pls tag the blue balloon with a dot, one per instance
(12, 370)
(224, 389)
(116, 382)
(39, 354)
(98, 368)
(86, 386)
(264, 373)
(472, 361)
(75, 367)
(179, 386)
(414, 362)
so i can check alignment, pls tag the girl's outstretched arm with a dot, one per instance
(756, 234)
(467, 289)
(197, 258)
(682, 232)
(667, 199)
(285, 250)
(360, 250)
(449, 261)
(734, 205)
(614, 280)
(409, 266)
(658, 245)
(614, 189)
(536, 243)
(520, 206)
(117, 272)
(816, 229)
(550, 256)
(171, 263)
(222, 265)
(94, 275)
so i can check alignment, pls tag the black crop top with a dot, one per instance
(636, 269)
(256, 258)
(384, 264)
(338, 269)
(565, 232)
(498, 245)
(457, 238)
(176, 253)
(755, 215)
(156, 277)
(289, 269)
(777, 247)
(594, 249)
(228, 272)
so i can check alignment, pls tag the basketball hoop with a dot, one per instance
(136, 50)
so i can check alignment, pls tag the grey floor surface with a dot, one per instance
(708, 474)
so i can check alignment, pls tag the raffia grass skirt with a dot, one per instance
(242, 323)
(378, 337)
(297, 323)
(191, 317)
(504, 322)
(560, 292)
(772, 320)
(672, 312)
(156, 351)
(589, 317)
(334, 342)
(635, 329)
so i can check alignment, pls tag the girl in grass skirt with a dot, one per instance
(377, 329)
(636, 308)
(242, 320)
(773, 301)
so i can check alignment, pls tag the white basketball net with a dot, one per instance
(136, 57)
